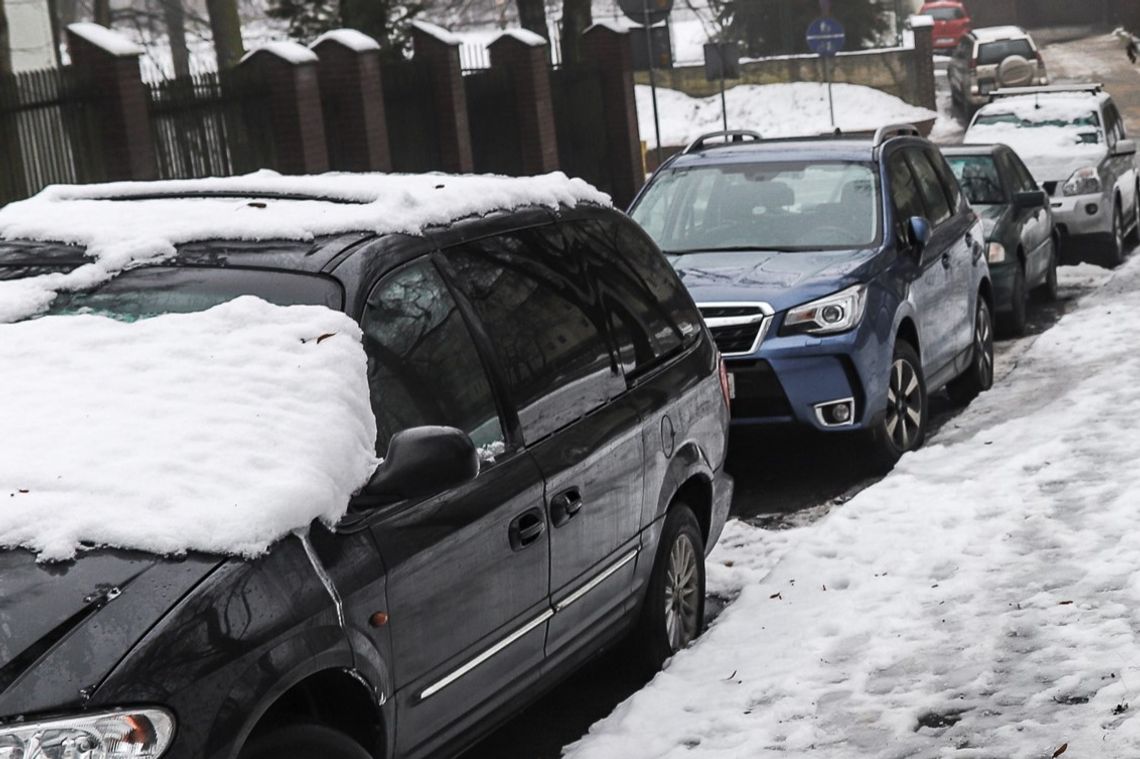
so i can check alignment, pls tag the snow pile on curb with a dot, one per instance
(118, 233)
(219, 431)
(773, 110)
(981, 601)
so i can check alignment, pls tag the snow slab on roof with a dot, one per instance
(293, 52)
(920, 22)
(350, 38)
(774, 110)
(441, 34)
(220, 431)
(119, 233)
(980, 601)
(102, 37)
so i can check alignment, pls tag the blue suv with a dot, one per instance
(843, 279)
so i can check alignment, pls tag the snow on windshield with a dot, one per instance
(119, 233)
(980, 601)
(218, 431)
(1047, 133)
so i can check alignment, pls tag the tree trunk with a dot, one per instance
(532, 16)
(103, 13)
(175, 17)
(5, 44)
(226, 28)
(576, 18)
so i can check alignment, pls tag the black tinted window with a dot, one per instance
(422, 365)
(980, 178)
(650, 312)
(543, 313)
(946, 178)
(995, 52)
(929, 187)
(904, 193)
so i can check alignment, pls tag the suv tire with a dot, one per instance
(979, 377)
(673, 613)
(304, 741)
(1013, 323)
(1115, 248)
(1134, 235)
(900, 431)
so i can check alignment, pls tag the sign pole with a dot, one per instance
(825, 38)
(652, 76)
(723, 103)
(830, 100)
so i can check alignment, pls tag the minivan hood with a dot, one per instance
(64, 626)
(781, 280)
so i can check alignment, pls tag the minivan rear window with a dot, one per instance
(990, 53)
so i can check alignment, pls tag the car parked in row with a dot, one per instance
(990, 58)
(1072, 138)
(951, 22)
(553, 418)
(843, 279)
(1021, 243)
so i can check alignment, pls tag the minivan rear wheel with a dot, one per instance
(673, 613)
(304, 741)
(904, 424)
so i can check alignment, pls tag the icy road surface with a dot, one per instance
(980, 601)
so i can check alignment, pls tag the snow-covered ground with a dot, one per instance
(774, 110)
(980, 601)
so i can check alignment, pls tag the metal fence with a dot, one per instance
(49, 122)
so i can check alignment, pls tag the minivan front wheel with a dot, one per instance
(304, 741)
(673, 613)
(904, 424)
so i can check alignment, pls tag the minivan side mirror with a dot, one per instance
(917, 232)
(422, 462)
(1030, 199)
(1125, 147)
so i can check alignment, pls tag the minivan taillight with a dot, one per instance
(724, 383)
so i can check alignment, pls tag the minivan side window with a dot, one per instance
(933, 196)
(422, 365)
(543, 316)
(904, 193)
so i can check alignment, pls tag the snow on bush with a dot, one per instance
(980, 601)
(119, 233)
(773, 110)
(219, 431)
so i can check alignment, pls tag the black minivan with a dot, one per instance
(554, 428)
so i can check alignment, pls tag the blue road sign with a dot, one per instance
(825, 36)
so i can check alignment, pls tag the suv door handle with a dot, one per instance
(565, 505)
(526, 528)
(945, 260)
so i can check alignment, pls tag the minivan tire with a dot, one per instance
(673, 612)
(304, 741)
(886, 441)
(1050, 289)
(979, 377)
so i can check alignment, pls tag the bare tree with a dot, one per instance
(5, 44)
(576, 18)
(226, 27)
(532, 16)
(175, 17)
(103, 13)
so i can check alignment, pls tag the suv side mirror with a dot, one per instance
(1030, 199)
(422, 462)
(917, 232)
(1125, 147)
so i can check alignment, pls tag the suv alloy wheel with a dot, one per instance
(980, 376)
(673, 613)
(904, 425)
(1116, 242)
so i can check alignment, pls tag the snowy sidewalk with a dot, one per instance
(981, 601)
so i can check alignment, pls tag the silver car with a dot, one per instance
(991, 58)
(1072, 138)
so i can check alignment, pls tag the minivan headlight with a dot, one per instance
(995, 253)
(835, 313)
(133, 734)
(1084, 181)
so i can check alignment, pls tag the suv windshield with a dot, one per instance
(979, 178)
(771, 206)
(990, 53)
(150, 291)
(1086, 124)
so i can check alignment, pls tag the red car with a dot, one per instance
(951, 22)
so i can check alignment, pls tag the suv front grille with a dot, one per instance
(737, 328)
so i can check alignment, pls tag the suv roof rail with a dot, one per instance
(884, 133)
(1091, 88)
(730, 135)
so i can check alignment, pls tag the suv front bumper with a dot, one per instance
(1078, 215)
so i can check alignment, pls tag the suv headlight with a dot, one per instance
(835, 313)
(133, 734)
(1084, 181)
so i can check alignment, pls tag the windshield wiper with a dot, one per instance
(734, 249)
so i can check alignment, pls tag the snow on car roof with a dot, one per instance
(993, 33)
(125, 223)
(219, 431)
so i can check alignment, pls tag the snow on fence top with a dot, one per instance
(350, 38)
(441, 34)
(293, 52)
(102, 37)
(524, 36)
(257, 424)
(119, 232)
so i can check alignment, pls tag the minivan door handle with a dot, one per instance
(565, 505)
(526, 528)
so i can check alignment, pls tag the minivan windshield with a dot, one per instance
(790, 206)
(978, 175)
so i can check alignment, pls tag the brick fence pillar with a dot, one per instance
(111, 64)
(524, 55)
(353, 101)
(438, 49)
(289, 72)
(609, 50)
(923, 28)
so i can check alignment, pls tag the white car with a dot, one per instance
(1072, 138)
